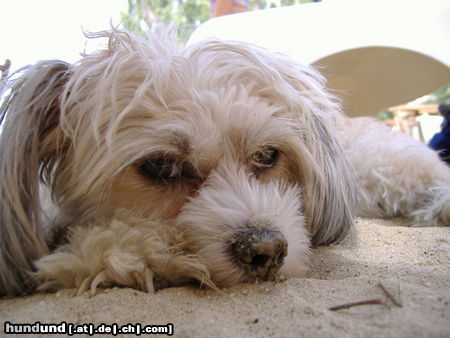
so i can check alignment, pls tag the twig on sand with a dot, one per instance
(389, 295)
(363, 302)
(376, 301)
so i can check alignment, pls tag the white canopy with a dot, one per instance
(374, 53)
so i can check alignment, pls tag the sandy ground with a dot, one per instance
(413, 264)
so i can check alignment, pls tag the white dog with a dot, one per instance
(218, 163)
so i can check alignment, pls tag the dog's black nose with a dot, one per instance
(260, 252)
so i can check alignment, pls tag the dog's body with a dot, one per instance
(220, 163)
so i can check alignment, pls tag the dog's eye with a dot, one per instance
(266, 158)
(161, 168)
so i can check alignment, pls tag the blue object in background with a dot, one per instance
(441, 141)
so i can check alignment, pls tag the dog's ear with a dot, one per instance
(328, 179)
(28, 146)
(330, 188)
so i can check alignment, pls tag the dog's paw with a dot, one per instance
(133, 254)
(435, 211)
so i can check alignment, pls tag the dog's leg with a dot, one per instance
(134, 254)
(398, 176)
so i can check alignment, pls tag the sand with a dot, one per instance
(413, 264)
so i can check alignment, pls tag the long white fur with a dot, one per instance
(80, 131)
(398, 176)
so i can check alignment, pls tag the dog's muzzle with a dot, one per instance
(260, 253)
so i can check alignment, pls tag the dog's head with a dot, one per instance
(233, 145)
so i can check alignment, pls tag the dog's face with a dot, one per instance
(223, 167)
(229, 144)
